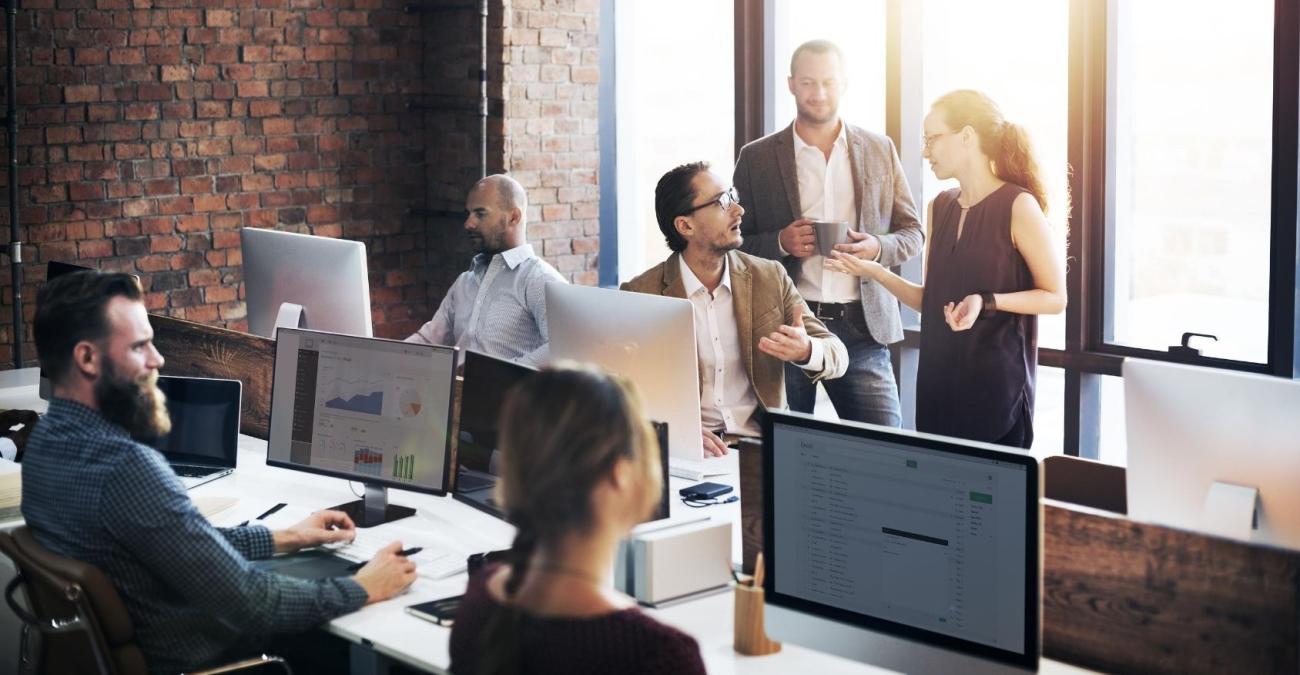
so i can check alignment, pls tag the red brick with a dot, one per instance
(96, 248)
(164, 243)
(225, 239)
(63, 135)
(255, 53)
(209, 202)
(252, 89)
(81, 93)
(221, 18)
(85, 192)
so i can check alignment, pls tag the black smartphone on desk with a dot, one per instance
(441, 612)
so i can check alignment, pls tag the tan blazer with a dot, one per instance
(764, 298)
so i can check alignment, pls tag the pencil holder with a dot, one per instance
(750, 638)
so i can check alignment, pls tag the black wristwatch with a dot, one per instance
(990, 306)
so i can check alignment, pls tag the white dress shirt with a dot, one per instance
(727, 400)
(826, 194)
(496, 307)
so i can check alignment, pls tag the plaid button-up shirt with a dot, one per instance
(93, 494)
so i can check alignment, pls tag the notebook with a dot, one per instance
(204, 439)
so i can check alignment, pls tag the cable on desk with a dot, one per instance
(701, 503)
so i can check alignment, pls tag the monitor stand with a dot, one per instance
(1230, 510)
(291, 315)
(374, 508)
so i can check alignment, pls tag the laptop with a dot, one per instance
(204, 439)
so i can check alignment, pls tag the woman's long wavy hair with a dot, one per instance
(1006, 144)
(562, 432)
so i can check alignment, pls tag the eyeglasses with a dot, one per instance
(724, 201)
(927, 141)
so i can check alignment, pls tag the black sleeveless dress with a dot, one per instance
(976, 384)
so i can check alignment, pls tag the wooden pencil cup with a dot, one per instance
(750, 638)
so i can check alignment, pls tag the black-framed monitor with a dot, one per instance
(365, 409)
(485, 382)
(908, 551)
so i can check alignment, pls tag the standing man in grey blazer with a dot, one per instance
(821, 168)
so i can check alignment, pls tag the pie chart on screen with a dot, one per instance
(409, 403)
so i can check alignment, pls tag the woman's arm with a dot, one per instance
(1032, 236)
(908, 293)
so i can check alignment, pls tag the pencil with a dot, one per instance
(758, 570)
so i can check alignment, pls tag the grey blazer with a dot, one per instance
(768, 184)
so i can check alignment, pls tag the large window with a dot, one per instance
(1192, 160)
(675, 96)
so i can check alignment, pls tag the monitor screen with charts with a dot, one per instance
(365, 409)
(908, 551)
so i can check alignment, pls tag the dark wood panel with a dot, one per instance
(195, 350)
(1085, 482)
(751, 502)
(1122, 596)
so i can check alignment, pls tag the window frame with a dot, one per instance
(1086, 357)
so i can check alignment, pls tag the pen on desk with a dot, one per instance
(266, 513)
(404, 552)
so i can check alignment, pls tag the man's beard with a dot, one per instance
(138, 405)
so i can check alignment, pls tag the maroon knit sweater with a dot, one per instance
(626, 641)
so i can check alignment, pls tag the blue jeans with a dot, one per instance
(866, 392)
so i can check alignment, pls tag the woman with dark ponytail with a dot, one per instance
(992, 265)
(579, 468)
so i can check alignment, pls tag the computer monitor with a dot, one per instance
(909, 551)
(324, 277)
(486, 381)
(364, 409)
(649, 339)
(1213, 450)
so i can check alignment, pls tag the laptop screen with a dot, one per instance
(205, 421)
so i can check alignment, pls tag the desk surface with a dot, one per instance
(389, 630)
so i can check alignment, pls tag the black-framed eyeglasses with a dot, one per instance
(725, 201)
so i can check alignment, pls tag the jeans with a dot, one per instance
(866, 392)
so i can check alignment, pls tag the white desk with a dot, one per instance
(385, 631)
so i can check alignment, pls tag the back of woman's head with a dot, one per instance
(1005, 143)
(562, 432)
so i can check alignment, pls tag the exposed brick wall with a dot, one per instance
(551, 70)
(151, 131)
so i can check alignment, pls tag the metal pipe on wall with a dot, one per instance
(11, 118)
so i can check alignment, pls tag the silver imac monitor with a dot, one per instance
(326, 277)
(648, 339)
(908, 551)
(1213, 450)
(365, 409)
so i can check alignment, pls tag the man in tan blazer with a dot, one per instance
(749, 319)
(821, 168)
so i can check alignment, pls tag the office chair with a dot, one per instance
(81, 619)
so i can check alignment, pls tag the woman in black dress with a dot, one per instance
(993, 264)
